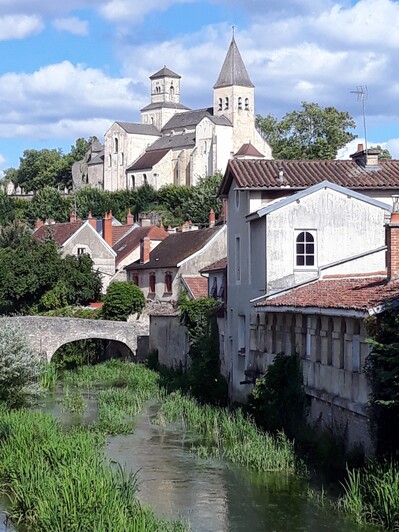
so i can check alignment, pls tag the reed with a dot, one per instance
(73, 401)
(372, 494)
(60, 481)
(48, 377)
(229, 435)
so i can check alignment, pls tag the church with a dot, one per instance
(174, 144)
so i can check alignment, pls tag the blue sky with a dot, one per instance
(69, 69)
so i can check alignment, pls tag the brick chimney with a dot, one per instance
(107, 228)
(212, 218)
(38, 223)
(129, 218)
(367, 158)
(145, 249)
(92, 221)
(392, 240)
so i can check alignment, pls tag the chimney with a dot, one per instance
(392, 240)
(107, 228)
(92, 221)
(145, 249)
(38, 223)
(72, 217)
(212, 218)
(185, 227)
(129, 218)
(367, 158)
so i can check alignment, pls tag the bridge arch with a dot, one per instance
(47, 334)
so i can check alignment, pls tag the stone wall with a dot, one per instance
(170, 339)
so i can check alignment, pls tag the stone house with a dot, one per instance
(174, 144)
(161, 273)
(277, 207)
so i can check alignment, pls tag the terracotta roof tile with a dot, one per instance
(264, 173)
(197, 286)
(59, 232)
(216, 266)
(350, 293)
(131, 241)
(119, 232)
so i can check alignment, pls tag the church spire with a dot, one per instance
(233, 71)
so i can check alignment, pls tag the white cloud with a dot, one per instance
(73, 25)
(2, 159)
(19, 26)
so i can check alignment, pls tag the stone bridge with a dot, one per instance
(46, 334)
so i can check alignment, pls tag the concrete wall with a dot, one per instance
(170, 339)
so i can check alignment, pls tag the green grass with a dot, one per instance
(49, 376)
(229, 435)
(59, 481)
(73, 401)
(372, 494)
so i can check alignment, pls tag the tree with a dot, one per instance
(202, 199)
(313, 132)
(13, 234)
(383, 153)
(20, 368)
(48, 203)
(121, 300)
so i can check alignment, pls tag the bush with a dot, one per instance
(20, 368)
(121, 300)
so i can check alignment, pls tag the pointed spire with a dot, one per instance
(233, 71)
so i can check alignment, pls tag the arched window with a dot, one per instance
(168, 283)
(151, 283)
(145, 182)
(122, 159)
(240, 102)
(220, 104)
(205, 146)
(226, 102)
(133, 181)
(305, 249)
(172, 90)
(157, 89)
(109, 160)
(247, 104)
(116, 145)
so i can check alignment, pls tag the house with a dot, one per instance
(176, 260)
(278, 207)
(81, 237)
(324, 321)
(174, 144)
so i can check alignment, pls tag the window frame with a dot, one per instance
(152, 283)
(305, 254)
(168, 283)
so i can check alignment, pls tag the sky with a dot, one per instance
(69, 69)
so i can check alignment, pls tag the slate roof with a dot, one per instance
(165, 72)
(351, 293)
(177, 247)
(233, 70)
(173, 141)
(60, 233)
(97, 158)
(192, 118)
(131, 241)
(140, 129)
(167, 105)
(216, 266)
(148, 160)
(264, 173)
(196, 286)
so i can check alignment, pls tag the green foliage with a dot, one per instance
(313, 132)
(202, 199)
(382, 369)
(56, 297)
(20, 368)
(277, 401)
(41, 168)
(121, 300)
(7, 213)
(48, 203)
(383, 153)
(13, 234)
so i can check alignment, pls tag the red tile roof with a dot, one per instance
(119, 231)
(197, 286)
(216, 266)
(131, 241)
(263, 173)
(248, 150)
(351, 293)
(60, 233)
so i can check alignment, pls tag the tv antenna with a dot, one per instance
(362, 93)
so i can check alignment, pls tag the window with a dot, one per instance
(241, 334)
(151, 283)
(145, 182)
(238, 259)
(222, 289)
(135, 279)
(81, 251)
(109, 160)
(226, 103)
(116, 145)
(122, 159)
(356, 348)
(246, 104)
(237, 198)
(172, 90)
(214, 289)
(240, 102)
(205, 146)
(305, 249)
(168, 283)
(220, 104)
(133, 182)
(308, 343)
(157, 89)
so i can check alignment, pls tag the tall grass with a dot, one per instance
(372, 494)
(73, 401)
(60, 481)
(229, 435)
(48, 377)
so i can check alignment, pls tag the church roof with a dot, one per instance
(192, 118)
(140, 129)
(169, 142)
(148, 160)
(163, 105)
(165, 72)
(96, 158)
(300, 174)
(233, 70)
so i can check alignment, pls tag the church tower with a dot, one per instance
(234, 98)
(165, 98)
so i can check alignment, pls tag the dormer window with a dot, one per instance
(220, 104)
(247, 104)
(240, 102)
(226, 102)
